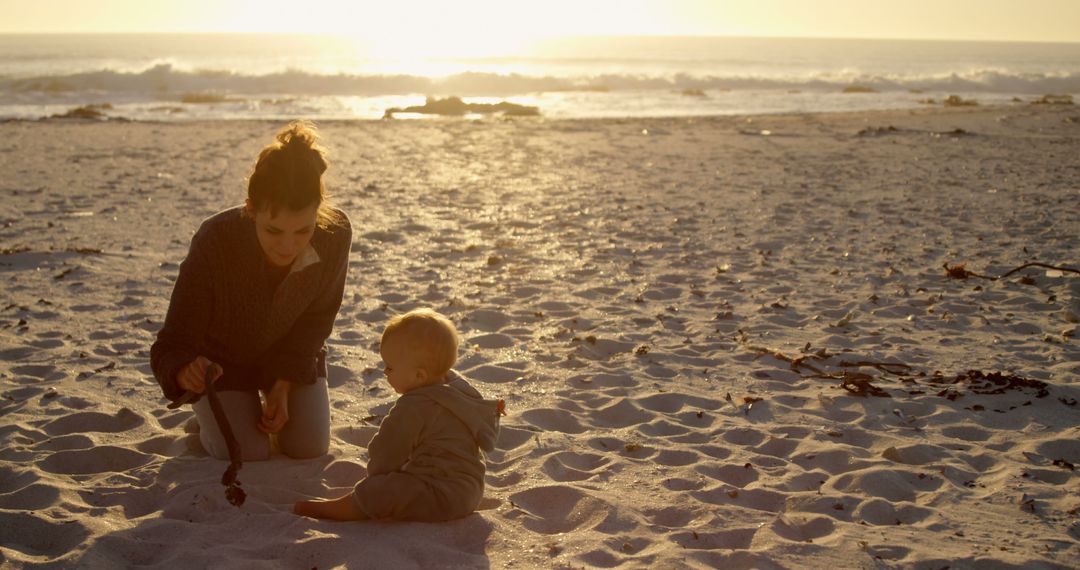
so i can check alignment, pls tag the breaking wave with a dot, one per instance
(165, 81)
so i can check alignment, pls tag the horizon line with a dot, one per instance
(540, 38)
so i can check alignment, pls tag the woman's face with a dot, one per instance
(284, 236)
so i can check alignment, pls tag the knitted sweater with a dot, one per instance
(227, 306)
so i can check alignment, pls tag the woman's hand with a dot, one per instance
(276, 409)
(192, 377)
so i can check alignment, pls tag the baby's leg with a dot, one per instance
(340, 509)
(243, 410)
(398, 496)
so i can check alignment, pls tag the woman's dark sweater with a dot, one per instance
(228, 306)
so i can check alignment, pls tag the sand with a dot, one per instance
(669, 308)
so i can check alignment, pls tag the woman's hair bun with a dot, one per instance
(302, 136)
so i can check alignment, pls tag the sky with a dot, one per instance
(397, 24)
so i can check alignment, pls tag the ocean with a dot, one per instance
(178, 77)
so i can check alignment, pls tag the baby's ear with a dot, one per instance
(421, 376)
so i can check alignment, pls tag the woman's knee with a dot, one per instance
(305, 449)
(255, 448)
(307, 433)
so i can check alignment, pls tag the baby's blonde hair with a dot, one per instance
(431, 337)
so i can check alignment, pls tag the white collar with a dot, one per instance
(307, 258)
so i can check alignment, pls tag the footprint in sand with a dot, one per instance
(557, 308)
(732, 539)
(658, 371)
(47, 343)
(382, 237)
(168, 419)
(744, 436)
(29, 498)
(676, 458)
(805, 481)
(671, 517)
(24, 393)
(674, 402)
(890, 484)
(343, 473)
(887, 551)
(839, 507)
(492, 341)
(757, 499)
(65, 442)
(485, 320)
(917, 454)
(106, 335)
(558, 509)
(84, 422)
(623, 413)
(359, 436)
(799, 529)
(494, 374)
(101, 459)
(1066, 449)
(512, 438)
(164, 445)
(663, 428)
(602, 348)
(136, 501)
(548, 419)
(32, 534)
(966, 433)
(777, 447)
(572, 466)
(886, 513)
(714, 451)
(620, 550)
(12, 480)
(45, 372)
(679, 484)
(737, 475)
(834, 461)
(604, 381)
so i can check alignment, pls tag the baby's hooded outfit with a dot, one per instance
(425, 462)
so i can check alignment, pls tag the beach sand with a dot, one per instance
(668, 306)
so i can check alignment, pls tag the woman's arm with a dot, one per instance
(181, 339)
(293, 356)
(276, 410)
(397, 437)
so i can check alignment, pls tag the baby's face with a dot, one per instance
(401, 366)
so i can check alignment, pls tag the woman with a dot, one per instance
(257, 295)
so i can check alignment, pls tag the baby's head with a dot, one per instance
(418, 349)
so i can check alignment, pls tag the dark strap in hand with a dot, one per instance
(233, 493)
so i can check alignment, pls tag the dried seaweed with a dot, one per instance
(882, 366)
(859, 385)
(234, 493)
(959, 271)
(1064, 464)
(979, 382)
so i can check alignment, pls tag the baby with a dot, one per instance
(425, 462)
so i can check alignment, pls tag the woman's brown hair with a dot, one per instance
(289, 173)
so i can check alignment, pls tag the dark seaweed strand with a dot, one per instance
(233, 493)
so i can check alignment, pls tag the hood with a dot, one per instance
(469, 406)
